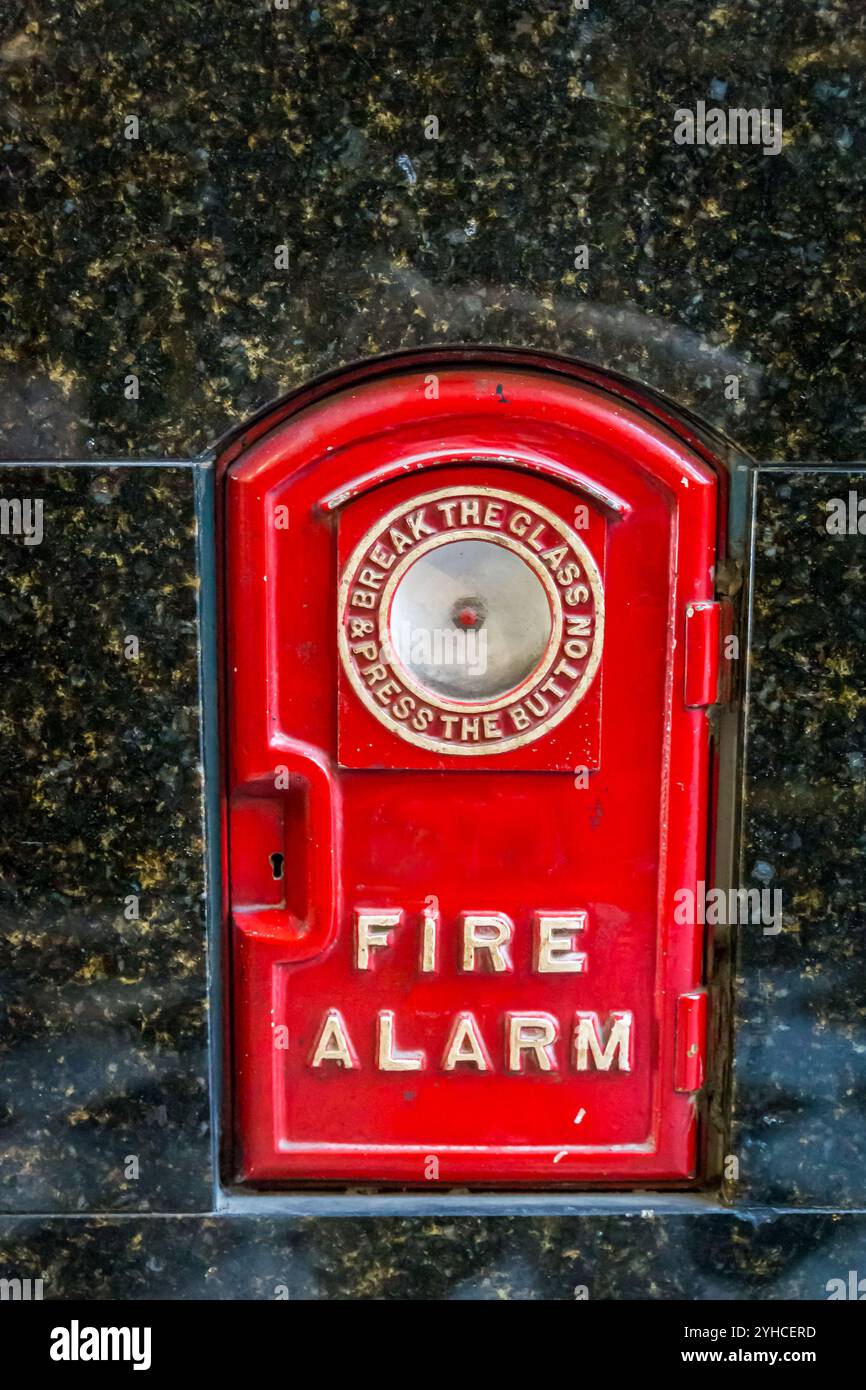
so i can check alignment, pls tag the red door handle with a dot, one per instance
(301, 937)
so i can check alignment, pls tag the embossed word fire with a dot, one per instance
(531, 1041)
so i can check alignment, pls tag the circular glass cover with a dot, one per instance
(470, 620)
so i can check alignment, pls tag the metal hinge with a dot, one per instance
(708, 670)
(690, 1057)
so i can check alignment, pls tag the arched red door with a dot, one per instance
(470, 642)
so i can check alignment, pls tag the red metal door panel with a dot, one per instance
(468, 967)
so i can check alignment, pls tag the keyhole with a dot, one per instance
(277, 865)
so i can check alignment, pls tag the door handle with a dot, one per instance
(301, 937)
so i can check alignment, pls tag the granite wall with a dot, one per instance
(280, 211)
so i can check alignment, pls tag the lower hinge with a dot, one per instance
(690, 1063)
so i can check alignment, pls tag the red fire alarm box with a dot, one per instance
(471, 640)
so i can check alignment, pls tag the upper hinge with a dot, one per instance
(708, 670)
(690, 1065)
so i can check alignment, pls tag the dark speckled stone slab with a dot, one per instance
(304, 128)
(800, 1047)
(103, 1034)
(461, 1257)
